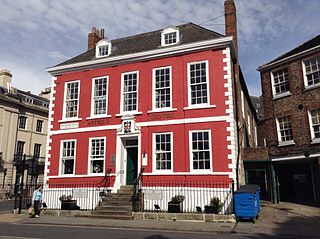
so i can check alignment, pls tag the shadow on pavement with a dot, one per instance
(283, 221)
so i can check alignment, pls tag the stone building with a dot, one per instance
(23, 130)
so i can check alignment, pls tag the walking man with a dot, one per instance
(37, 199)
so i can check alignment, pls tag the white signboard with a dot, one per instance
(144, 160)
(153, 194)
(80, 193)
(72, 125)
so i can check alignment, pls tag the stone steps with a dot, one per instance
(116, 205)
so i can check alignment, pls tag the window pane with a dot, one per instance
(198, 83)
(313, 71)
(162, 88)
(130, 92)
(285, 128)
(315, 119)
(280, 80)
(71, 99)
(97, 155)
(100, 96)
(200, 150)
(163, 151)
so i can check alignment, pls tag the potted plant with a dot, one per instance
(214, 207)
(67, 203)
(175, 205)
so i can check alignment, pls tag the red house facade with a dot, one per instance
(161, 104)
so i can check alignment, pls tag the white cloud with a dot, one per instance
(45, 32)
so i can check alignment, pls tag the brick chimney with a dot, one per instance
(231, 21)
(94, 37)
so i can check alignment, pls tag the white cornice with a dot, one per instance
(143, 124)
(146, 55)
(268, 65)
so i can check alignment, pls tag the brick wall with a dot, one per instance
(296, 105)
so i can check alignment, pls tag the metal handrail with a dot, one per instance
(136, 188)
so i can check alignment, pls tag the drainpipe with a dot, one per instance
(237, 121)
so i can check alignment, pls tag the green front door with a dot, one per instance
(132, 163)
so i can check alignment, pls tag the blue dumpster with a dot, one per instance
(247, 202)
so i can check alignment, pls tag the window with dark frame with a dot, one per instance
(39, 126)
(201, 154)
(22, 122)
(37, 151)
(20, 148)
(163, 151)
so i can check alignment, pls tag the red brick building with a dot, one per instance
(162, 101)
(291, 98)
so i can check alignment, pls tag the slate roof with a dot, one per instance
(189, 33)
(303, 47)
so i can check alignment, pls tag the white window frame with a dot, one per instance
(90, 156)
(64, 101)
(280, 141)
(61, 166)
(103, 43)
(242, 104)
(200, 171)
(167, 31)
(249, 123)
(313, 138)
(189, 85)
(42, 123)
(93, 115)
(282, 94)
(154, 161)
(305, 73)
(154, 97)
(122, 112)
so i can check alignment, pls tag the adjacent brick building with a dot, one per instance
(291, 98)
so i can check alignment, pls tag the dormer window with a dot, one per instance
(170, 36)
(103, 48)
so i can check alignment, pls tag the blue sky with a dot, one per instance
(36, 34)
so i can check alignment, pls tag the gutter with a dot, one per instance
(268, 65)
(237, 122)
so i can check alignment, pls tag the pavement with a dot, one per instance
(284, 220)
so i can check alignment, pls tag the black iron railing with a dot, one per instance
(137, 197)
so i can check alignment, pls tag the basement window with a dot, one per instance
(103, 48)
(170, 36)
